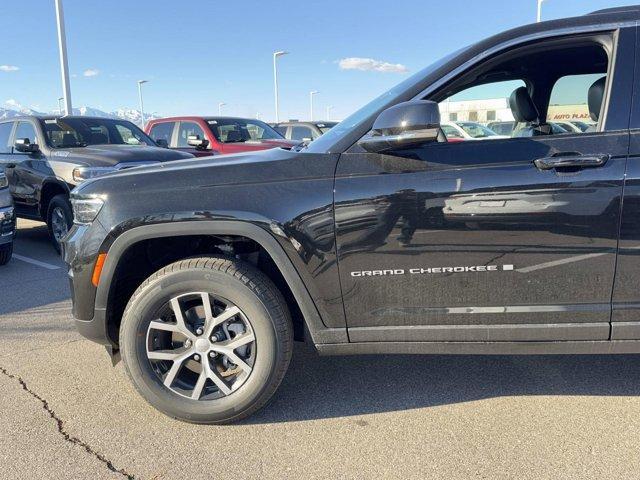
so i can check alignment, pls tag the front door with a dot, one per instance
(475, 240)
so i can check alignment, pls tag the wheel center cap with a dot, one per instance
(202, 345)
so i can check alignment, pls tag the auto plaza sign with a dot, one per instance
(568, 112)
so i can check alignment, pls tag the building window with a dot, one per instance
(473, 116)
(453, 117)
(491, 115)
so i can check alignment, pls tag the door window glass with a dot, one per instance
(162, 131)
(187, 129)
(26, 130)
(5, 133)
(569, 99)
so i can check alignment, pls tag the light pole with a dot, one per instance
(540, 10)
(277, 54)
(220, 105)
(64, 65)
(60, 105)
(311, 94)
(329, 108)
(140, 82)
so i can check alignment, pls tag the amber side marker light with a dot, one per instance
(97, 269)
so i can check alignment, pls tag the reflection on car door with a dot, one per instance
(471, 241)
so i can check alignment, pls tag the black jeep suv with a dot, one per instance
(381, 236)
(44, 158)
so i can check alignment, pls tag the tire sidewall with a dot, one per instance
(61, 201)
(133, 337)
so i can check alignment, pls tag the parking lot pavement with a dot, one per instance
(66, 412)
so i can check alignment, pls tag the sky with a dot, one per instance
(199, 53)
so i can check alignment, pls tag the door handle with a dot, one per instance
(571, 161)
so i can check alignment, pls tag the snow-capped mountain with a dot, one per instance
(12, 109)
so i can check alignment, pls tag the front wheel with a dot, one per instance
(59, 219)
(207, 340)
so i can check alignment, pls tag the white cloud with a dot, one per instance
(9, 68)
(12, 102)
(91, 72)
(371, 65)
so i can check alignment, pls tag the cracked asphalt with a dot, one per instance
(67, 413)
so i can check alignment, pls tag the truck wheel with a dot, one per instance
(207, 339)
(59, 219)
(5, 253)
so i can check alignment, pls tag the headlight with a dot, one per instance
(81, 174)
(85, 210)
(3, 181)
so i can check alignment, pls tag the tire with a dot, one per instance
(218, 279)
(59, 209)
(5, 253)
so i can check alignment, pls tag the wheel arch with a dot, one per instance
(51, 188)
(311, 316)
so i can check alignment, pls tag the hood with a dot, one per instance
(109, 155)
(274, 165)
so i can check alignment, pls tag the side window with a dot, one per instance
(299, 133)
(26, 130)
(281, 129)
(532, 99)
(473, 108)
(5, 134)
(570, 97)
(162, 131)
(186, 129)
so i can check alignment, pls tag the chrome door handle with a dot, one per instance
(571, 161)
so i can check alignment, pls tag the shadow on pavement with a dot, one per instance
(331, 387)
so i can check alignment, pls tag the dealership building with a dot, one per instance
(497, 110)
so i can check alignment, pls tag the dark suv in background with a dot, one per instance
(44, 158)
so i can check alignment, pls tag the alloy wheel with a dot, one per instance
(201, 346)
(59, 225)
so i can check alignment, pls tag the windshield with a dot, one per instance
(476, 130)
(235, 130)
(74, 132)
(326, 141)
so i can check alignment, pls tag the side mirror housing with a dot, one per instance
(161, 142)
(24, 145)
(196, 141)
(405, 125)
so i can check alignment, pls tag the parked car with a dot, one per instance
(7, 221)
(204, 136)
(303, 131)
(469, 131)
(379, 237)
(44, 158)
(505, 129)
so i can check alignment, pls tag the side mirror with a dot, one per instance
(196, 141)
(161, 142)
(24, 145)
(408, 124)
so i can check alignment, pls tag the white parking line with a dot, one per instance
(48, 266)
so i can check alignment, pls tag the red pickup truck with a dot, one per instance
(203, 136)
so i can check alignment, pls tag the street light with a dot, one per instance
(329, 108)
(64, 65)
(277, 54)
(220, 105)
(140, 82)
(540, 10)
(311, 94)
